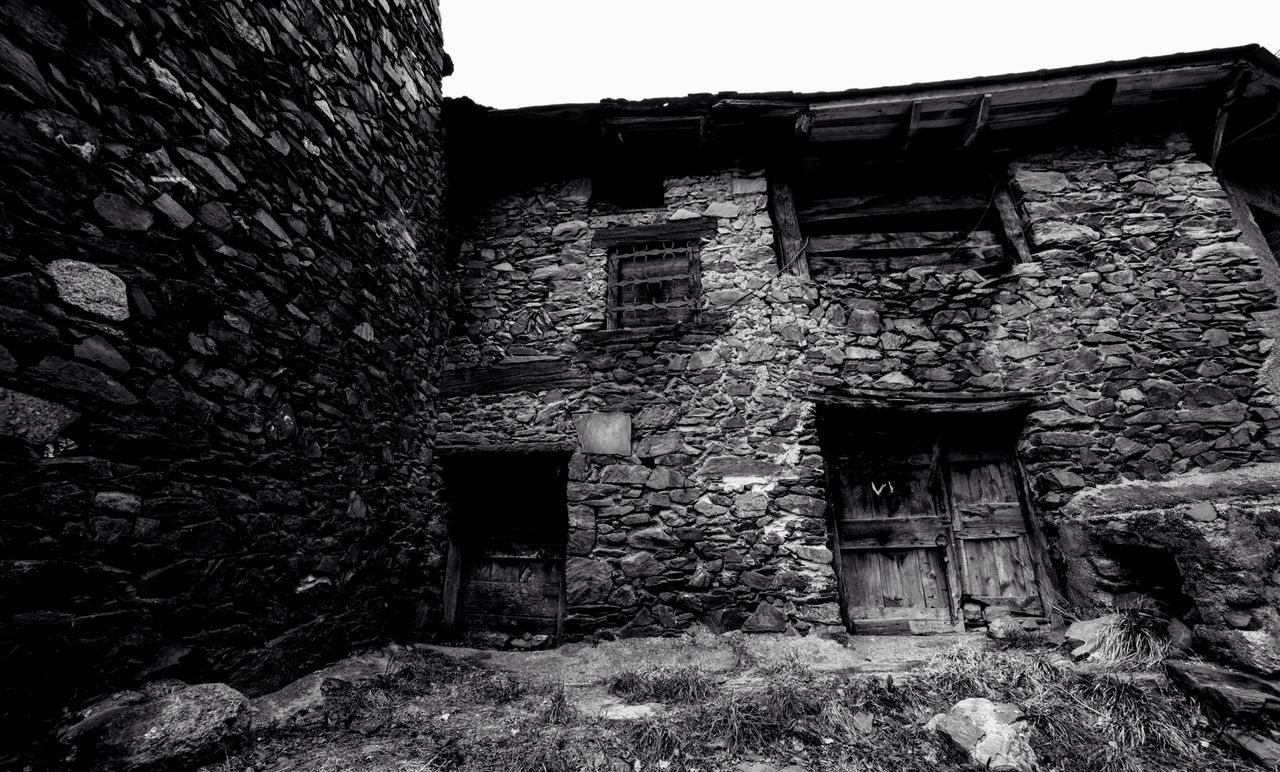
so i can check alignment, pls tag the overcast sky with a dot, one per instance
(511, 53)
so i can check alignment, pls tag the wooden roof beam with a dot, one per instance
(977, 120)
(1011, 223)
(792, 246)
(1096, 101)
(1238, 84)
(913, 122)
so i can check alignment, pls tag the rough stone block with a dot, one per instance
(606, 434)
(35, 420)
(90, 288)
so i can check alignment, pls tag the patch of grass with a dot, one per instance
(542, 752)
(673, 685)
(498, 687)
(660, 742)
(558, 709)
(1135, 639)
(1082, 719)
(1086, 720)
(743, 659)
(1023, 638)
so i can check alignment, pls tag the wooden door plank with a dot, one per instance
(888, 533)
(453, 583)
(895, 612)
(1000, 560)
(891, 574)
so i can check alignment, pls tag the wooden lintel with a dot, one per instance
(675, 230)
(455, 448)
(929, 402)
(913, 122)
(1011, 224)
(977, 120)
(514, 374)
(792, 249)
(1239, 82)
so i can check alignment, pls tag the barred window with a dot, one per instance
(653, 283)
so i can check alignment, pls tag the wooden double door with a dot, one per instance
(929, 514)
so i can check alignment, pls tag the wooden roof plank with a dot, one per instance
(978, 121)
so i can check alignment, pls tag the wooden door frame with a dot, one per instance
(1012, 405)
(456, 555)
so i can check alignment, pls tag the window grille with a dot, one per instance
(653, 283)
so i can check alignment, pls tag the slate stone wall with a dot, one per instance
(1137, 322)
(223, 275)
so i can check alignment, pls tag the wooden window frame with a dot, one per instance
(686, 249)
(683, 238)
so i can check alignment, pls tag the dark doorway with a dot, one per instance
(929, 512)
(507, 533)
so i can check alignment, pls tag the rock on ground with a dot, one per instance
(993, 735)
(1239, 694)
(1261, 750)
(309, 701)
(172, 727)
(1085, 635)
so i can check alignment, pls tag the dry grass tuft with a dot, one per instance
(558, 709)
(1136, 639)
(674, 685)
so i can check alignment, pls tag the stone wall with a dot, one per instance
(1134, 321)
(1203, 546)
(222, 281)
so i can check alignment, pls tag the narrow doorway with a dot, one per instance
(929, 513)
(508, 527)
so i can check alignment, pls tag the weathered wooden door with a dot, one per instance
(512, 590)
(928, 514)
(893, 532)
(989, 524)
(507, 533)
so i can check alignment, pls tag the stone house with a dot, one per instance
(824, 362)
(298, 356)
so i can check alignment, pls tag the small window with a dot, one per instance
(653, 283)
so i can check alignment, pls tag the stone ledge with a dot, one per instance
(1189, 488)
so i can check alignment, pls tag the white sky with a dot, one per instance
(512, 53)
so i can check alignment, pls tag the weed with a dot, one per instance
(498, 687)
(1136, 639)
(674, 685)
(629, 685)
(1027, 639)
(547, 752)
(743, 659)
(656, 742)
(559, 710)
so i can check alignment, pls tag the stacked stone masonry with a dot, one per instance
(1140, 320)
(223, 289)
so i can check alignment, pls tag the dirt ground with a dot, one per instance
(728, 703)
(740, 660)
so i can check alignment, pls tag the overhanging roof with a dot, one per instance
(988, 112)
